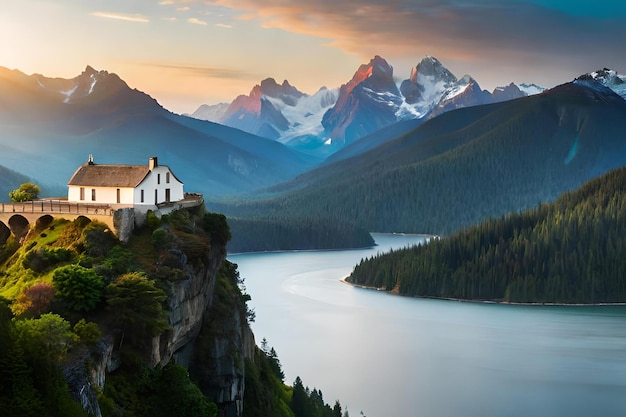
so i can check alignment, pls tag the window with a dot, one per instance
(142, 196)
(156, 197)
(158, 178)
(119, 197)
(82, 193)
(167, 195)
(167, 177)
(93, 194)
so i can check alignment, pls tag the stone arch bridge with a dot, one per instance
(16, 218)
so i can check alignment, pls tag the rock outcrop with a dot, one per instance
(211, 344)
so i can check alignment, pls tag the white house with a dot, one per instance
(139, 186)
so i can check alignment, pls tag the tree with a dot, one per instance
(35, 299)
(80, 287)
(49, 336)
(87, 332)
(26, 192)
(136, 303)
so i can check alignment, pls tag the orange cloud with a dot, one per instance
(122, 16)
(196, 21)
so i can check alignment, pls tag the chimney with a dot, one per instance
(90, 160)
(154, 162)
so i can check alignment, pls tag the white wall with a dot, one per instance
(104, 195)
(152, 182)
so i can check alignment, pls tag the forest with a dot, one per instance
(570, 251)
(458, 169)
(270, 234)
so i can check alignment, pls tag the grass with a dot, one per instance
(14, 277)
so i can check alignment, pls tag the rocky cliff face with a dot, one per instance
(207, 335)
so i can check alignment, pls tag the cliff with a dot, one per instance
(167, 296)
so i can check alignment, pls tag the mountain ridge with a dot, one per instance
(360, 110)
(98, 113)
(462, 166)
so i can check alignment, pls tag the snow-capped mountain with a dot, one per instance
(531, 89)
(54, 122)
(466, 93)
(608, 78)
(210, 112)
(367, 102)
(371, 100)
(430, 83)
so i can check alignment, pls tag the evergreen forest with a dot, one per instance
(569, 251)
(457, 169)
(270, 234)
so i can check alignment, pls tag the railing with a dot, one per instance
(50, 206)
(56, 206)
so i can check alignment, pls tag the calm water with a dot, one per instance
(392, 356)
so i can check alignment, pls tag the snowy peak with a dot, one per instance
(429, 83)
(377, 66)
(608, 78)
(508, 92)
(368, 101)
(77, 88)
(285, 91)
(430, 67)
(251, 104)
(531, 89)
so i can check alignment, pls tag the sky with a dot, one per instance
(185, 53)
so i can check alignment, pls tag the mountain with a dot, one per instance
(463, 166)
(331, 119)
(48, 127)
(608, 78)
(367, 102)
(210, 112)
(9, 181)
(276, 111)
(569, 251)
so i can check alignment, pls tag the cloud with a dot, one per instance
(137, 18)
(209, 72)
(461, 30)
(183, 9)
(196, 21)
(223, 25)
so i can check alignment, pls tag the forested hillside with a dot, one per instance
(569, 251)
(254, 235)
(9, 180)
(462, 167)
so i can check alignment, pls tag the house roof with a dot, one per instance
(103, 175)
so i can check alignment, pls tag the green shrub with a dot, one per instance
(216, 225)
(98, 239)
(152, 221)
(81, 288)
(88, 332)
(159, 238)
(42, 258)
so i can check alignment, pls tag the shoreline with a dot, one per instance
(425, 235)
(463, 300)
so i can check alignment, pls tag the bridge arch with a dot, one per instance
(19, 226)
(5, 233)
(43, 222)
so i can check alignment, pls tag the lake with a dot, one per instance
(392, 356)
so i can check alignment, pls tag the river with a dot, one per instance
(392, 356)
